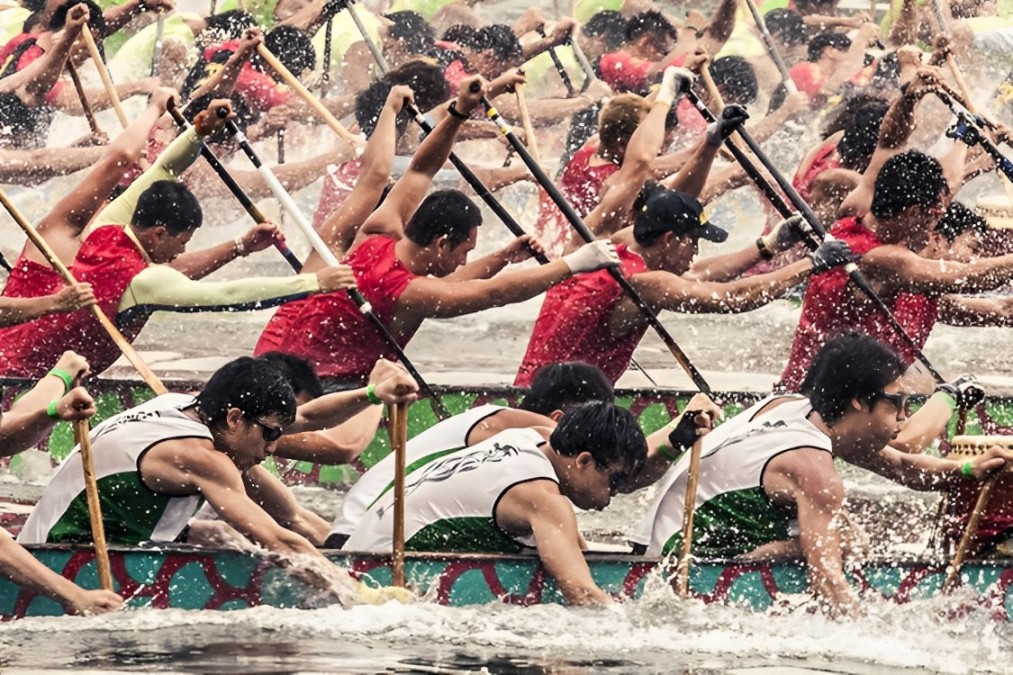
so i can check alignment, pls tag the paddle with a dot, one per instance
(689, 510)
(972, 529)
(330, 259)
(768, 42)
(235, 188)
(529, 129)
(306, 96)
(89, 114)
(98, 532)
(563, 75)
(585, 65)
(156, 51)
(103, 73)
(816, 234)
(398, 417)
(325, 76)
(54, 261)
(585, 234)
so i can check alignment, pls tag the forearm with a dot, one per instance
(925, 426)
(724, 267)
(692, 177)
(503, 289)
(19, 310)
(119, 16)
(720, 27)
(496, 178)
(199, 264)
(898, 123)
(483, 268)
(435, 149)
(329, 411)
(22, 568)
(223, 82)
(27, 422)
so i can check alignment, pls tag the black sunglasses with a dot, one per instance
(899, 401)
(270, 433)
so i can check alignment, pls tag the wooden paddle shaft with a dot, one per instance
(398, 419)
(85, 105)
(98, 531)
(103, 73)
(114, 333)
(305, 94)
(689, 509)
(970, 532)
(529, 129)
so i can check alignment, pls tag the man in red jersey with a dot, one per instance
(909, 198)
(589, 318)
(409, 259)
(148, 224)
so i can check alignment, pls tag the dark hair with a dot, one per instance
(650, 22)
(459, 33)
(498, 38)
(297, 371)
(448, 213)
(33, 5)
(412, 31)
(561, 386)
(887, 71)
(426, 80)
(244, 115)
(95, 18)
(847, 367)
(861, 135)
(253, 385)
(34, 19)
(228, 25)
(610, 433)
(17, 120)
(840, 115)
(169, 204)
(787, 25)
(958, 219)
(609, 25)
(825, 40)
(293, 48)
(736, 77)
(911, 178)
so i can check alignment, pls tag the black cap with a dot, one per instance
(666, 210)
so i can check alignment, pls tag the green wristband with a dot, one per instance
(371, 395)
(68, 379)
(668, 453)
(966, 470)
(51, 410)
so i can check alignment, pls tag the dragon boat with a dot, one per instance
(202, 578)
(190, 578)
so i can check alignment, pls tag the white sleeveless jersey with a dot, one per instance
(450, 434)
(733, 513)
(450, 500)
(131, 512)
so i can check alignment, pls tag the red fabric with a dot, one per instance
(27, 57)
(803, 180)
(572, 324)
(832, 306)
(259, 89)
(624, 72)
(108, 260)
(337, 187)
(580, 183)
(30, 279)
(808, 77)
(455, 73)
(328, 329)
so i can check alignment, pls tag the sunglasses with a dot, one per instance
(899, 401)
(269, 433)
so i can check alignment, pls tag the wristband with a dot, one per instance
(765, 252)
(68, 379)
(966, 471)
(946, 398)
(452, 109)
(371, 395)
(51, 410)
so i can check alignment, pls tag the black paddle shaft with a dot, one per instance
(586, 235)
(817, 233)
(235, 188)
(560, 68)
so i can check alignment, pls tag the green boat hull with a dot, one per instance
(204, 579)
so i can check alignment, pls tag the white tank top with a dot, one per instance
(131, 512)
(450, 500)
(448, 435)
(733, 513)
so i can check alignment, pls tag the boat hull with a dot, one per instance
(204, 579)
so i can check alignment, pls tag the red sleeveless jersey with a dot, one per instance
(329, 330)
(832, 307)
(572, 325)
(108, 259)
(581, 184)
(30, 279)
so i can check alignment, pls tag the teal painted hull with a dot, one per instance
(203, 579)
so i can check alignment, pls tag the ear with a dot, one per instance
(584, 459)
(857, 404)
(233, 418)
(555, 415)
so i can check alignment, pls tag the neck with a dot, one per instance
(412, 256)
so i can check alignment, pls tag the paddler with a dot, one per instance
(774, 463)
(156, 463)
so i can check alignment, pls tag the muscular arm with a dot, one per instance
(26, 422)
(341, 444)
(958, 310)
(904, 270)
(538, 508)
(277, 500)
(21, 310)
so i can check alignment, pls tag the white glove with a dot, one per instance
(784, 235)
(674, 82)
(593, 256)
